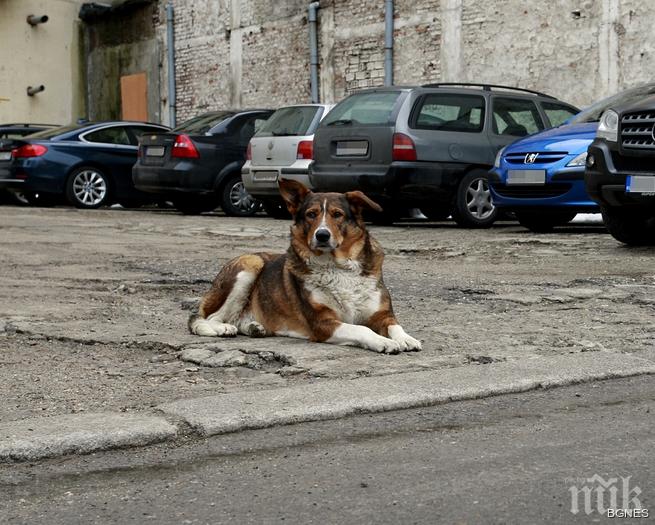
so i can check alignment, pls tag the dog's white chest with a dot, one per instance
(352, 296)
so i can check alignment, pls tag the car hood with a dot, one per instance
(572, 138)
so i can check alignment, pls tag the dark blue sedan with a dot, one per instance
(88, 164)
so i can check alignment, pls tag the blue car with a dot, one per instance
(89, 165)
(541, 177)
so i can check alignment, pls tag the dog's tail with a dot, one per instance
(198, 325)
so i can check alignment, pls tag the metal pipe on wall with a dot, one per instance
(313, 51)
(170, 42)
(388, 42)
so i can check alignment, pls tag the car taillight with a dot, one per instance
(305, 149)
(249, 152)
(29, 150)
(184, 148)
(403, 147)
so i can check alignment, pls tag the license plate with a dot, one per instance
(526, 177)
(352, 148)
(155, 151)
(5, 155)
(264, 176)
(637, 184)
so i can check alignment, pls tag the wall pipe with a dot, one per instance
(170, 43)
(388, 42)
(313, 51)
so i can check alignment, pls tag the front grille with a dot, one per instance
(543, 157)
(531, 192)
(637, 131)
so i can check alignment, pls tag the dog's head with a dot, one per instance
(326, 222)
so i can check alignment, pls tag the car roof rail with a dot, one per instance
(487, 87)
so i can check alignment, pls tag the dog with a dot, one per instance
(327, 287)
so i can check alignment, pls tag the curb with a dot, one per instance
(41, 438)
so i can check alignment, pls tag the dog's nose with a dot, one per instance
(322, 235)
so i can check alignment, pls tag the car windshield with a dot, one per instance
(287, 122)
(54, 132)
(202, 123)
(372, 108)
(593, 112)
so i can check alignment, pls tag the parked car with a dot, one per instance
(90, 165)
(429, 147)
(282, 147)
(14, 131)
(620, 172)
(541, 178)
(198, 164)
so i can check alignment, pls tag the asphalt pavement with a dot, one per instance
(516, 458)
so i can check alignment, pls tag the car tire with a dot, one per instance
(87, 188)
(544, 222)
(195, 204)
(235, 200)
(276, 210)
(630, 227)
(473, 206)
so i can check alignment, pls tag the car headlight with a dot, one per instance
(499, 155)
(579, 160)
(608, 128)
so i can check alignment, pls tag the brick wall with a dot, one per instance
(255, 52)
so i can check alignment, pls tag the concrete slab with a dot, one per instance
(39, 438)
(333, 399)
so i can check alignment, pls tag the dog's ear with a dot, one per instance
(293, 193)
(360, 202)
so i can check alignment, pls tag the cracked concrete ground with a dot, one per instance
(93, 305)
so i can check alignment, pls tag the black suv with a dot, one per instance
(428, 147)
(620, 171)
(198, 164)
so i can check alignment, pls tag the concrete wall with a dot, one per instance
(255, 52)
(46, 54)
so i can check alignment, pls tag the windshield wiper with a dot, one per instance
(283, 134)
(340, 122)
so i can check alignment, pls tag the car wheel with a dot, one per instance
(276, 210)
(436, 213)
(235, 200)
(195, 204)
(544, 222)
(473, 206)
(630, 227)
(87, 188)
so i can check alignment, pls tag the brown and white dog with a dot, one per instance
(327, 287)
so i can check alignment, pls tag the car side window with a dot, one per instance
(557, 113)
(450, 112)
(516, 117)
(115, 135)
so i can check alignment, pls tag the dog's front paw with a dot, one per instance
(222, 329)
(407, 342)
(383, 345)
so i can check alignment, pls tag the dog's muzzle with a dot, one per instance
(322, 239)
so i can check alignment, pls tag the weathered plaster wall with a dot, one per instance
(255, 52)
(46, 54)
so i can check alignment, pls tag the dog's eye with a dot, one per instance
(337, 214)
(311, 214)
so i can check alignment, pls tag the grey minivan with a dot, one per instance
(428, 147)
